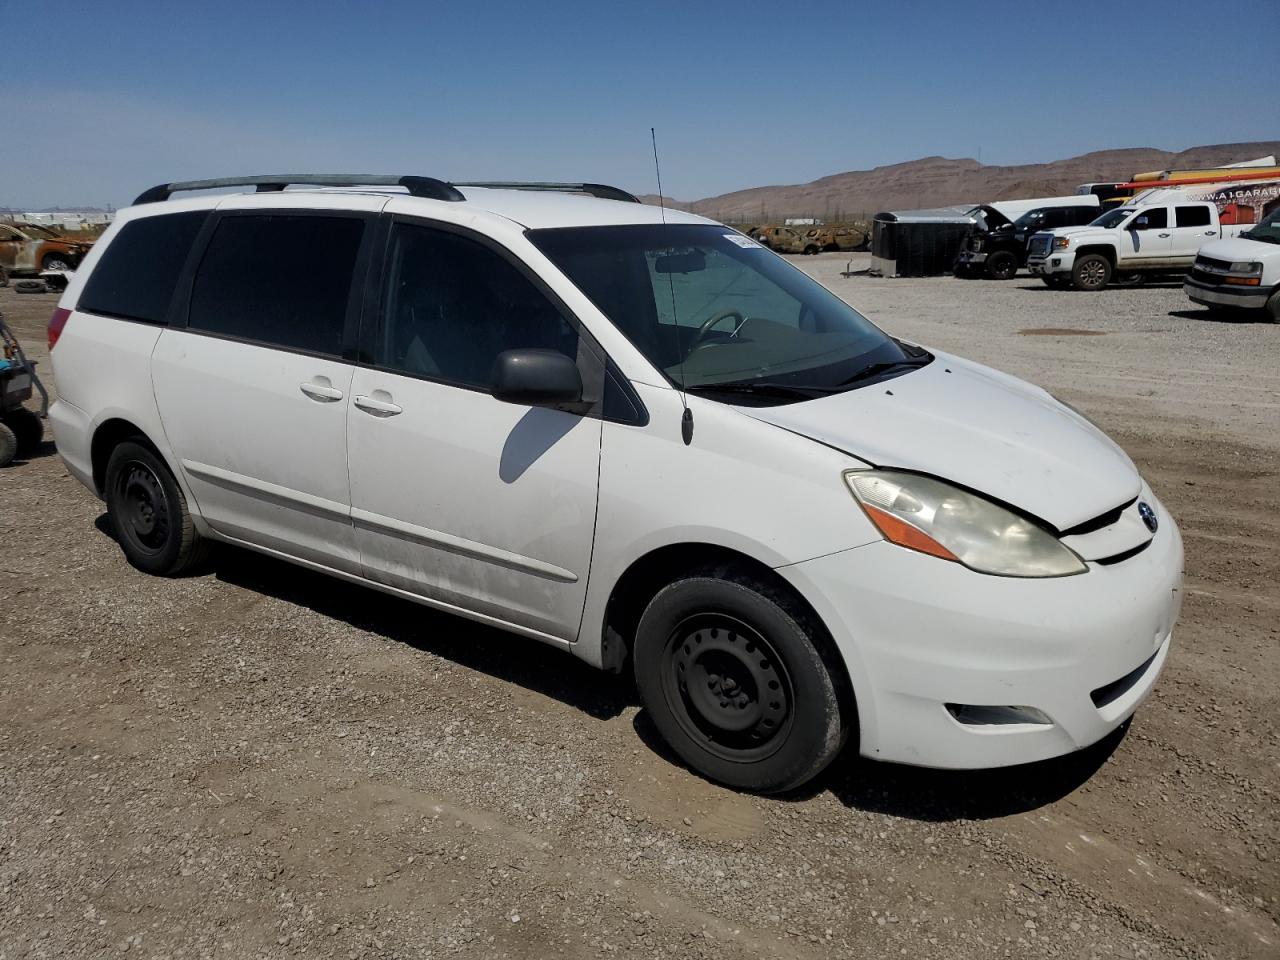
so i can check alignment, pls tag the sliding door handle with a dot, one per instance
(375, 406)
(320, 389)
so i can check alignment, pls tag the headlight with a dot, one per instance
(1247, 267)
(1061, 243)
(933, 517)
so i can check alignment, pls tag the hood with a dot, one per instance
(1068, 231)
(1239, 248)
(971, 425)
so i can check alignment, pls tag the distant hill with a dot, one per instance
(939, 181)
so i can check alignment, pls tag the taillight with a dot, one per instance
(56, 323)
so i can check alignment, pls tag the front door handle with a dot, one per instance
(320, 389)
(376, 406)
(1211, 233)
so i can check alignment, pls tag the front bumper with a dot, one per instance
(1246, 298)
(970, 257)
(1057, 262)
(919, 634)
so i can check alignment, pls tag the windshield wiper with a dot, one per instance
(872, 370)
(765, 388)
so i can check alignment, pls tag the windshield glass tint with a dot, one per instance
(1269, 229)
(1112, 218)
(709, 306)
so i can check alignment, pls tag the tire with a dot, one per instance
(4, 277)
(1091, 272)
(1002, 265)
(1273, 307)
(57, 262)
(8, 445)
(741, 682)
(812, 250)
(26, 426)
(149, 513)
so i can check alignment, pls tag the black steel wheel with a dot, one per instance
(1002, 265)
(26, 426)
(149, 512)
(733, 690)
(741, 682)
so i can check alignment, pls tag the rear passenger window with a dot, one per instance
(452, 305)
(1197, 216)
(138, 271)
(281, 280)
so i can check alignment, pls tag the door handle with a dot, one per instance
(379, 408)
(1211, 233)
(319, 389)
(1162, 234)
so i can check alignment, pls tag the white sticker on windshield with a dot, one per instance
(745, 242)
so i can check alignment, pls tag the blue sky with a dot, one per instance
(122, 95)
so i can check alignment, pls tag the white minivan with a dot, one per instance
(632, 433)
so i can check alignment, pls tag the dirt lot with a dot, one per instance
(259, 761)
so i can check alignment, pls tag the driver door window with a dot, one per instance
(452, 304)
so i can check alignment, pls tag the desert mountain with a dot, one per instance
(939, 181)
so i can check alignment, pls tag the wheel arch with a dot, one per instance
(109, 435)
(652, 571)
(1107, 251)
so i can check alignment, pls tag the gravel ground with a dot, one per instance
(261, 762)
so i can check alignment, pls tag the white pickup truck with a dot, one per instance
(1242, 273)
(1156, 232)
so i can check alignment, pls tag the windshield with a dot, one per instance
(37, 232)
(1029, 220)
(1112, 218)
(710, 308)
(1268, 231)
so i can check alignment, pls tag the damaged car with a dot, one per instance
(29, 249)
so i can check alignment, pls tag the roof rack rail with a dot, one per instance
(428, 187)
(601, 190)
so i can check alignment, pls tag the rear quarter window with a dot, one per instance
(135, 277)
(1193, 216)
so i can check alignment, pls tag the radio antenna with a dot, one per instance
(686, 419)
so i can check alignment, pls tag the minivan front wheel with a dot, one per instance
(739, 682)
(149, 512)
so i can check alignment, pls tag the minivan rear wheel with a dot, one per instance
(740, 682)
(149, 513)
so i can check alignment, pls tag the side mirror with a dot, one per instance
(536, 378)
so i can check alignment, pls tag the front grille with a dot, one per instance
(1100, 521)
(1209, 271)
(1040, 246)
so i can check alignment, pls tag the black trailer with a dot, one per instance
(918, 243)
